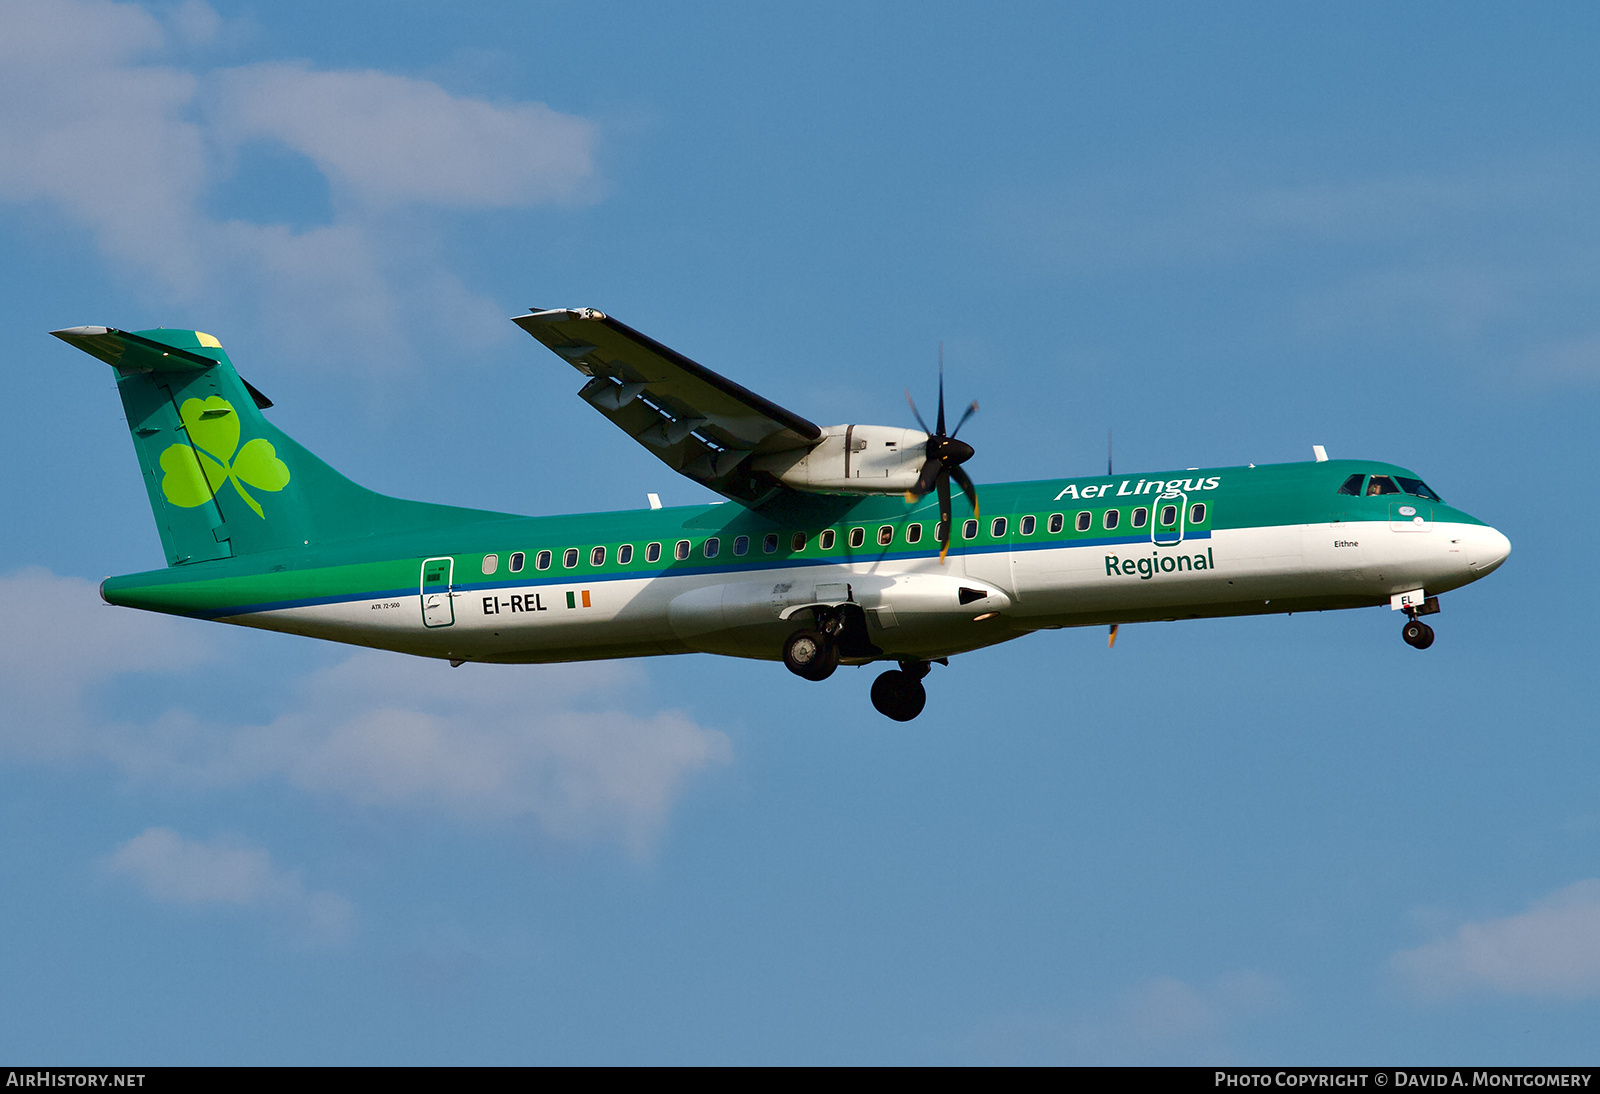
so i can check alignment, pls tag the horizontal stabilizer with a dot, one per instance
(128, 352)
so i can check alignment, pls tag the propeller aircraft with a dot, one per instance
(843, 545)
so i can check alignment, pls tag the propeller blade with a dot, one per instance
(970, 411)
(1111, 640)
(944, 516)
(915, 414)
(963, 481)
(945, 455)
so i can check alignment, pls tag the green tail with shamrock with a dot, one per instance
(223, 481)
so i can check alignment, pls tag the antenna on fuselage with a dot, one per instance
(1108, 452)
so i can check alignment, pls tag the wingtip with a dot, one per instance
(66, 333)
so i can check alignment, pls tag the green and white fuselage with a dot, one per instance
(1270, 539)
(259, 532)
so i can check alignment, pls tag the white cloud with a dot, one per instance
(1212, 215)
(1473, 257)
(61, 640)
(1552, 950)
(1566, 360)
(492, 742)
(130, 150)
(1163, 1020)
(226, 871)
(392, 139)
(500, 744)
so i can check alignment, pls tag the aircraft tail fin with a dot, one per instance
(223, 481)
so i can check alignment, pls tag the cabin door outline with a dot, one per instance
(437, 595)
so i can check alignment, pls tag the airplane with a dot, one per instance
(843, 544)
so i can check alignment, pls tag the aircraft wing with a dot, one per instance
(698, 423)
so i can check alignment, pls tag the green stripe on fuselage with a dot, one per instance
(380, 567)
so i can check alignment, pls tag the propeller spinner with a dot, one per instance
(945, 457)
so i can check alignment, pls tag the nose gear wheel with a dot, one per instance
(1418, 635)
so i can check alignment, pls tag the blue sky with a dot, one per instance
(1227, 232)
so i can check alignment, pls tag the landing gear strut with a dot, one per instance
(899, 693)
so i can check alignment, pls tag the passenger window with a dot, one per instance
(741, 545)
(825, 540)
(769, 543)
(624, 554)
(652, 553)
(1169, 516)
(969, 530)
(797, 542)
(913, 533)
(491, 563)
(712, 547)
(1057, 522)
(1381, 484)
(517, 561)
(1197, 513)
(1140, 516)
(1027, 526)
(997, 527)
(680, 550)
(570, 558)
(941, 532)
(1083, 521)
(1352, 486)
(1417, 487)
(541, 561)
(885, 535)
(597, 557)
(1111, 518)
(858, 536)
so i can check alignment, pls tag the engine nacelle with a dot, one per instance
(853, 459)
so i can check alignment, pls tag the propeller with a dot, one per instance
(945, 457)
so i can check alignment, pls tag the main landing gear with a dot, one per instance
(899, 693)
(813, 654)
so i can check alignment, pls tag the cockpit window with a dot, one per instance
(1352, 486)
(1417, 487)
(1381, 484)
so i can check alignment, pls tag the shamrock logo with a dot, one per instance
(195, 472)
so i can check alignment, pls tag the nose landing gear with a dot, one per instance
(1416, 633)
(899, 693)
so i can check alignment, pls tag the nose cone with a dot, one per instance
(1486, 549)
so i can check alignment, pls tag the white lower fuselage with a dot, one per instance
(914, 608)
